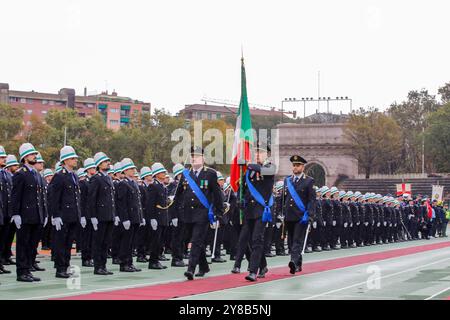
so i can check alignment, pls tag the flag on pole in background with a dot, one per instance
(243, 135)
(403, 188)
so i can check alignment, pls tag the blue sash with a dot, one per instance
(267, 215)
(200, 195)
(298, 201)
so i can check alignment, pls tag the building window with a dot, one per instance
(114, 110)
(13, 99)
(204, 115)
(113, 122)
(23, 100)
(82, 114)
(125, 110)
(29, 111)
(218, 115)
(29, 101)
(44, 101)
(146, 109)
(51, 102)
(44, 111)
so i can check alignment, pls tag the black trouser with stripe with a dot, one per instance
(156, 243)
(126, 246)
(63, 240)
(296, 232)
(26, 238)
(197, 232)
(100, 243)
(268, 236)
(143, 240)
(252, 234)
(7, 238)
(86, 242)
(116, 240)
(178, 242)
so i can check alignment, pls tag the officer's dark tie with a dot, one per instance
(296, 180)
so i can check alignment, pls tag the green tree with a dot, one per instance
(444, 92)
(411, 116)
(437, 137)
(374, 139)
(11, 122)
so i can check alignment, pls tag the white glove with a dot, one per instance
(17, 221)
(395, 225)
(378, 224)
(143, 223)
(94, 222)
(127, 224)
(171, 198)
(58, 223)
(385, 223)
(116, 220)
(314, 225)
(215, 225)
(83, 222)
(390, 224)
(345, 224)
(154, 224)
(231, 223)
(45, 221)
(324, 223)
(366, 224)
(334, 223)
(281, 218)
(358, 223)
(351, 224)
(175, 222)
(278, 225)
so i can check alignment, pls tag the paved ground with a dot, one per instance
(368, 273)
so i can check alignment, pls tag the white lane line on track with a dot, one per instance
(383, 277)
(438, 293)
(331, 270)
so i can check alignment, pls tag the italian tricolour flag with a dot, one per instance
(243, 135)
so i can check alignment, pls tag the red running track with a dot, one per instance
(214, 283)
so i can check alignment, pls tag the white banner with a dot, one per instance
(438, 192)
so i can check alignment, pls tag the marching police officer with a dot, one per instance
(87, 172)
(198, 197)
(5, 208)
(3, 204)
(27, 213)
(65, 210)
(129, 207)
(257, 206)
(157, 205)
(42, 189)
(177, 219)
(299, 209)
(7, 169)
(143, 234)
(101, 211)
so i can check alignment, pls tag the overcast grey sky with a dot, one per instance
(173, 53)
